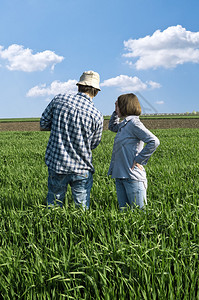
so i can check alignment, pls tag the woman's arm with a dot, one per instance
(151, 141)
(114, 122)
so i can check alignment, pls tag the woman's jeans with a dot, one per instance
(80, 186)
(131, 193)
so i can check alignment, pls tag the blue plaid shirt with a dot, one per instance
(76, 128)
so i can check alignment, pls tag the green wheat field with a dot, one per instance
(101, 253)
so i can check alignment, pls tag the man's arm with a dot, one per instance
(97, 135)
(46, 118)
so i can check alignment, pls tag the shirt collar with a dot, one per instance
(84, 95)
(131, 117)
(127, 119)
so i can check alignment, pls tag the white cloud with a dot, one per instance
(128, 84)
(159, 102)
(123, 82)
(167, 49)
(153, 84)
(21, 59)
(55, 88)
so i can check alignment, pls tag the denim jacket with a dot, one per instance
(129, 147)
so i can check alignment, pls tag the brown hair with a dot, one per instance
(129, 105)
(88, 89)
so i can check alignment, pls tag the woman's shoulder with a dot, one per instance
(134, 120)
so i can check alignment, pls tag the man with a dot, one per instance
(76, 128)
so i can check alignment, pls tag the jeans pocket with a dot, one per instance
(57, 180)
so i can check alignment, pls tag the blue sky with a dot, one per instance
(148, 47)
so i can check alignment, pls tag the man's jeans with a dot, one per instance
(131, 193)
(80, 186)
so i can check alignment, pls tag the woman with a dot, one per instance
(129, 154)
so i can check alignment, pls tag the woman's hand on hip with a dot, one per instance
(137, 165)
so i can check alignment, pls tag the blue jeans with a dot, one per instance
(130, 192)
(80, 186)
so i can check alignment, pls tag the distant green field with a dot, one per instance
(170, 117)
(19, 120)
(100, 254)
(164, 117)
(108, 117)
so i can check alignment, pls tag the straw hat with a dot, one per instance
(90, 78)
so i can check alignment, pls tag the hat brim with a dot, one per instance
(87, 84)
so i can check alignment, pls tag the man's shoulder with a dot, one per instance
(100, 116)
(67, 96)
(67, 100)
(81, 103)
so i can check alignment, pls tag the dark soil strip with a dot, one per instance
(149, 123)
